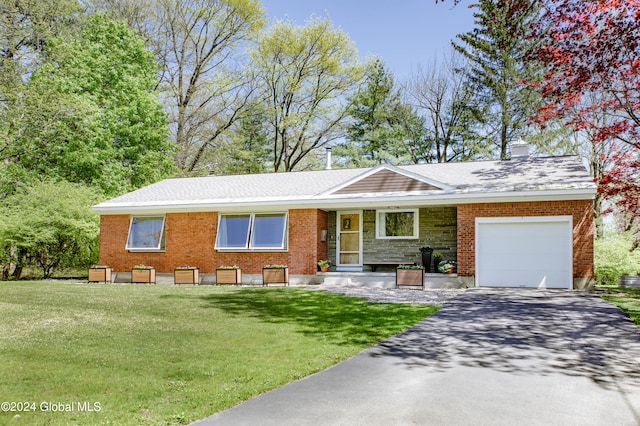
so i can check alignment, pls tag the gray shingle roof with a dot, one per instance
(537, 174)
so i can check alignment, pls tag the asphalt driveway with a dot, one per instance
(489, 357)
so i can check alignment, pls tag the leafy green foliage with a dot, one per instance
(25, 28)
(150, 355)
(90, 114)
(613, 258)
(50, 225)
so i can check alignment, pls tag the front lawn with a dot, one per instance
(145, 354)
(627, 299)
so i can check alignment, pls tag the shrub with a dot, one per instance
(612, 258)
(49, 225)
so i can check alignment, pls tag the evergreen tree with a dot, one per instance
(382, 127)
(247, 151)
(496, 51)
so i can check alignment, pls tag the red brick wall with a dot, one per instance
(583, 229)
(190, 240)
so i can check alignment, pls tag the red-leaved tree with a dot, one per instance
(593, 47)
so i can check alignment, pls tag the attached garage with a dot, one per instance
(534, 252)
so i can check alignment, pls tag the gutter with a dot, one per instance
(349, 202)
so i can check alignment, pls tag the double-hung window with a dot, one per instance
(252, 231)
(146, 233)
(397, 224)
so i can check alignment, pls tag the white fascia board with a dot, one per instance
(334, 203)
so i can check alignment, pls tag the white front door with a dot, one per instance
(349, 243)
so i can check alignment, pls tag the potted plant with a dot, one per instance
(275, 274)
(447, 266)
(99, 273)
(229, 274)
(186, 275)
(324, 265)
(143, 274)
(426, 257)
(437, 258)
(412, 275)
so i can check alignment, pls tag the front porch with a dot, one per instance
(377, 240)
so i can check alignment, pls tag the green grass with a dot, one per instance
(627, 299)
(169, 354)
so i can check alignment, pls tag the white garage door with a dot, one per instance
(524, 252)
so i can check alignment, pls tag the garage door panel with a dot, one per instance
(529, 252)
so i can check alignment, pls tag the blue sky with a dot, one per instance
(404, 33)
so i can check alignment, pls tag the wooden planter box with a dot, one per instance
(99, 275)
(410, 277)
(228, 276)
(275, 276)
(147, 276)
(186, 276)
(629, 281)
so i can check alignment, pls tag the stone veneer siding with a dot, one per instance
(583, 229)
(190, 240)
(437, 229)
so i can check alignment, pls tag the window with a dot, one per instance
(146, 233)
(255, 231)
(233, 231)
(268, 231)
(397, 224)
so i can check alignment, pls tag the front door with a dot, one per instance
(349, 244)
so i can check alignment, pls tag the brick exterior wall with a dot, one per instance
(190, 240)
(583, 229)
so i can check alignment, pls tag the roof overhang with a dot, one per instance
(365, 201)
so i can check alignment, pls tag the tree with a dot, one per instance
(25, 28)
(90, 114)
(247, 149)
(206, 84)
(140, 15)
(307, 73)
(495, 51)
(592, 51)
(50, 225)
(381, 127)
(207, 89)
(445, 98)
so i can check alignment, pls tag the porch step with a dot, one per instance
(379, 280)
(388, 279)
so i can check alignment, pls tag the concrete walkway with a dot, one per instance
(508, 357)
